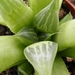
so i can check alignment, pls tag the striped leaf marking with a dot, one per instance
(41, 55)
(7, 9)
(15, 14)
(47, 19)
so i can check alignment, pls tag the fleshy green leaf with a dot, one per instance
(66, 36)
(15, 14)
(25, 69)
(37, 5)
(69, 52)
(41, 55)
(27, 36)
(11, 52)
(47, 20)
(59, 67)
(66, 18)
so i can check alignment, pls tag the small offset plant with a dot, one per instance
(39, 40)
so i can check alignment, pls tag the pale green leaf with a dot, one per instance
(41, 55)
(59, 67)
(66, 36)
(47, 20)
(16, 14)
(11, 52)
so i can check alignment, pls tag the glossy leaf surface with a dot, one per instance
(11, 52)
(41, 55)
(15, 14)
(66, 36)
(47, 20)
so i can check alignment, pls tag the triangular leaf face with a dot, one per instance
(59, 67)
(41, 55)
(47, 20)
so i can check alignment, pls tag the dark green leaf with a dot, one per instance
(25, 68)
(27, 36)
(69, 52)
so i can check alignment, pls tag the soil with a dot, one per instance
(70, 63)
